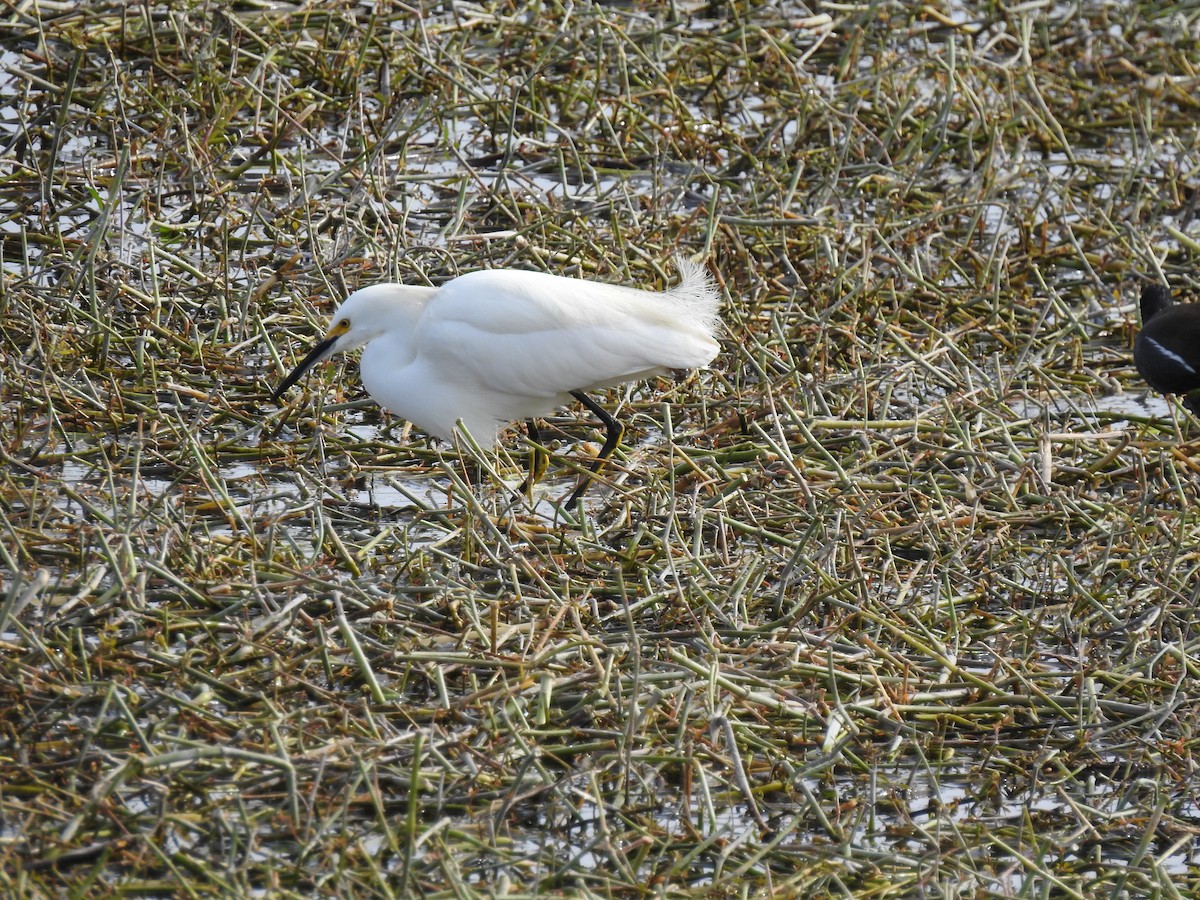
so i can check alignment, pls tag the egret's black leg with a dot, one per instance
(613, 431)
(538, 458)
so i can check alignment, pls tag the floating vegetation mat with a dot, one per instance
(896, 599)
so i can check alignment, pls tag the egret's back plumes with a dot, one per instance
(695, 298)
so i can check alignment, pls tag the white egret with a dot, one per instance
(495, 346)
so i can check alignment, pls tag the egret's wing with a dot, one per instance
(536, 335)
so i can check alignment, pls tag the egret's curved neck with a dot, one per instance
(386, 309)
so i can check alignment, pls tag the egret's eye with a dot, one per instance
(344, 324)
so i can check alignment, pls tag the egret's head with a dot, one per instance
(364, 315)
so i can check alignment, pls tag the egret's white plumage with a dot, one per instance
(499, 345)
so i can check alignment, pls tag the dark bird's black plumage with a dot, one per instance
(1167, 349)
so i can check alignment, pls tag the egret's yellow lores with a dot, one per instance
(491, 347)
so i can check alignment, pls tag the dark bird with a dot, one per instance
(1167, 349)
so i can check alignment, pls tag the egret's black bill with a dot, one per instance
(316, 355)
